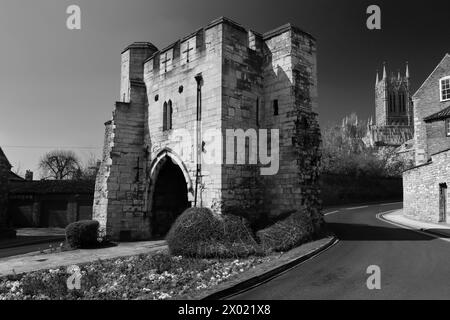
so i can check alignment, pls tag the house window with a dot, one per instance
(447, 127)
(167, 115)
(275, 107)
(444, 88)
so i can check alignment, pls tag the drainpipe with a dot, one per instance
(198, 139)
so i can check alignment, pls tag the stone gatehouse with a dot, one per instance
(221, 78)
(425, 192)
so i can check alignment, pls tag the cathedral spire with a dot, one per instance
(407, 70)
(384, 70)
(377, 79)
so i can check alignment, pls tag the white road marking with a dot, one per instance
(331, 212)
(354, 208)
(379, 216)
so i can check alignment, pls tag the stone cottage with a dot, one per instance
(425, 185)
(223, 118)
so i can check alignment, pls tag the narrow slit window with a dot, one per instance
(165, 116)
(275, 107)
(169, 115)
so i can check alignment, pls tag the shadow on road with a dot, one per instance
(361, 232)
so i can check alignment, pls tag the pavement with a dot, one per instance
(413, 263)
(438, 229)
(36, 261)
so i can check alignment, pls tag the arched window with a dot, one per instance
(394, 103)
(391, 102)
(401, 101)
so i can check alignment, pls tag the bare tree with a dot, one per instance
(90, 168)
(60, 165)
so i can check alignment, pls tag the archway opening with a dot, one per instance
(170, 198)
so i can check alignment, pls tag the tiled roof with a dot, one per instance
(14, 177)
(441, 115)
(4, 158)
(52, 187)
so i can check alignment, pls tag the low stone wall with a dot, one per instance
(422, 188)
(341, 189)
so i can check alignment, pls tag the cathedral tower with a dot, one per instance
(393, 104)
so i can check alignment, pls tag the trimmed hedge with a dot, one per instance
(200, 233)
(288, 233)
(82, 234)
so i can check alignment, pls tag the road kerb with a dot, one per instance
(437, 235)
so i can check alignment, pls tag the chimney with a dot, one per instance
(29, 175)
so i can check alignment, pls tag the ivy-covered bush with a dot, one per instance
(288, 233)
(198, 232)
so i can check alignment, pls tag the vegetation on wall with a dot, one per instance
(345, 151)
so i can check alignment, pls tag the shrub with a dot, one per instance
(82, 234)
(200, 233)
(286, 234)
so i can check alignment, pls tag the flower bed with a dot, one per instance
(155, 276)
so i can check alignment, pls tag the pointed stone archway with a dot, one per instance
(170, 192)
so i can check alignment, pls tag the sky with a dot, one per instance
(58, 86)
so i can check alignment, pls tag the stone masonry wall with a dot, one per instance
(100, 206)
(437, 139)
(119, 203)
(178, 85)
(426, 102)
(242, 105)
(291, 78)
(421, 188)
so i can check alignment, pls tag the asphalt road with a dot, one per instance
(412, 265)
(27, 248)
